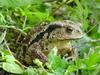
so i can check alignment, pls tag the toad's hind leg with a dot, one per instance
(34, 52)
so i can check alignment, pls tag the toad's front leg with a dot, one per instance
(71, 54)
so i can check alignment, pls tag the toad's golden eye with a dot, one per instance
(69, 30)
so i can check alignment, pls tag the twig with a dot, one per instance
(24, 23)
(13, 27)
(93, 41)
(59, 7)
(7, 47)
(65, 2)
(87, 42)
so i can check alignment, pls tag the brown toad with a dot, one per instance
(45, 37)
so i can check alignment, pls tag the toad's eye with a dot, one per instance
(69, 30)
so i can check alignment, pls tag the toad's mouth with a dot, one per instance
(68, 38)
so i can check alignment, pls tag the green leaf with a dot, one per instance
(37, 1)
(9, 58)
(42, 71)
(15, 3)
(38, 62)
(92, 60)
(98, 29)
(41, 15)
(4, 53)
(2, 18)
(30, 71)
(55, 61)
(70, 69)
(85, 24)
(12, 67)
(53, 52)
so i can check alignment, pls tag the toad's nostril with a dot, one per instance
(78, 31)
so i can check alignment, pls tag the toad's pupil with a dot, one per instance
(69, 30)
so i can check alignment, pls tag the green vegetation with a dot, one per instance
(17, 17)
